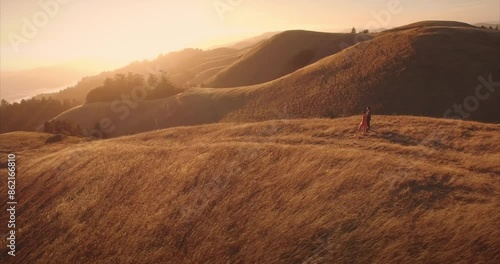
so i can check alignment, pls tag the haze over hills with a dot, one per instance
(288, 191)
(419, 69)
(265, 165)
(352, 132)
(190, 67)
(16, 85)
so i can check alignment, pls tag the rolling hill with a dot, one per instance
(287, 191)
(282, 54)
(431, 23)
(491, 24)
(427, 71)
(420, 71)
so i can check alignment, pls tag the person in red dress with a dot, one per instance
(363, 126)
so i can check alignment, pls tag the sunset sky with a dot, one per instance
(117, 32)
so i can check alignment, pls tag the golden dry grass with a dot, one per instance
(415, 190)
(203, 68)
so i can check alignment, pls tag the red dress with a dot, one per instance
(364, 123)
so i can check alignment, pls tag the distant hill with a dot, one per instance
(488, 24)
(282, 54)
(249, 42)
(431, 23)
(418, 71)
(289, 191)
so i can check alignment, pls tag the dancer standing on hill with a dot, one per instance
(363, 126)
(368, 117)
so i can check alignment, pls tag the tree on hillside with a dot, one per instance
(30, 114)
(490, 27)
(164, 88)
(152, 79)
(496, 28)
(113, 88)
(62, 127)
(353, 30)
(48, 127)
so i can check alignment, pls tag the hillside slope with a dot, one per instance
(420, 71)
(282, 54)
(414, 190)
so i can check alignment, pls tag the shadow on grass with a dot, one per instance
(397, 138)
(55, 139)
(406, 140)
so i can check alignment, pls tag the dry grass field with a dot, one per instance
(413, 190)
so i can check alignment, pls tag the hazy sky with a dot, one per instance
(118, 32)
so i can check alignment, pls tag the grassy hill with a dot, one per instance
(413, 190)
(491, 24)
(422, 71)
(282, 54)
(431, 23)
